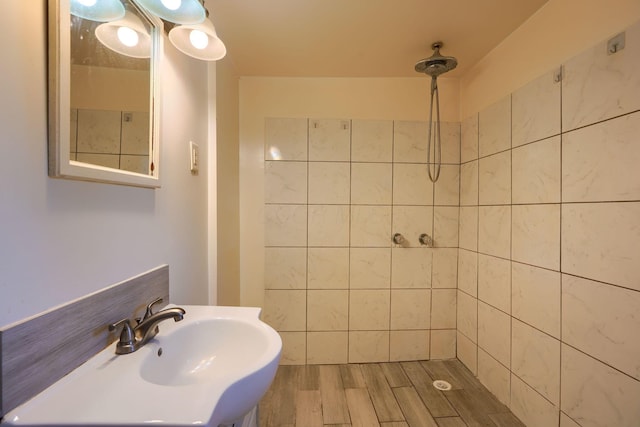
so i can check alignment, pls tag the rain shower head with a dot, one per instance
(436, 64)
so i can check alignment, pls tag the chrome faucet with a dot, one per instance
(131, 339)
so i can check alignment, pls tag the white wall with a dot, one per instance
(62, 239)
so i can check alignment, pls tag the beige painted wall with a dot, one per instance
(228, 179)
(349, 98)
(559, 30)
(115, 89)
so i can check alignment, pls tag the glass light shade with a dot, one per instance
(97, 10)
(110, 34)
(211, 50)
(179, 12)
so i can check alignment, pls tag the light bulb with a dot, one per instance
(171, 4)
(199, 39)
(127, 36)
(87, 3)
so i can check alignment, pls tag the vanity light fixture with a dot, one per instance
(97, 10)
(199, 41)
(127, 36)
(176, 11)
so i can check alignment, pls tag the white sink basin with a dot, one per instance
(209, 369)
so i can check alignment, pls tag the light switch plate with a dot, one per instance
(195, 157)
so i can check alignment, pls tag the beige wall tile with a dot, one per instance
(411, 268)
(327, 348)
(443, 344)
(329, 183)
(443, 308)
(468, 227)
(468, 272)
(368, 346)
(494, 333)
(469, 139)
(285, 225)
(596, 395)
(467, 352)
(603, 321)
(327, 310)
(371, 140)
(450, 139)
(329, 140)
(371, 183)
(445, 226)
(494, 127)
(410, 142)
(536, 297)
(601, 241)
(328, 268)
(536, 110)
(536, 235)
(369, 310)
(494, 282)
(494, 176)
(531, 408)
(410, 309)
(294, 346)
(99, 131)
(371, 226)
(409, 345)
(597, 86)
(370, 268)
(285, 310)
(328, 225)
(285, 182)
(467, 316)
(411, 185)
(535, 360)
(600, 162)
(494, 230)
(565, 421)
(445, 268)
(285, 139)
(469, 184)
(285, 268)
(536, 172)
(447, 187)
(411, 222)
(494, 376)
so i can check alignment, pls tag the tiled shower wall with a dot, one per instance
(115, 139)
(337, 289)
(549, 259)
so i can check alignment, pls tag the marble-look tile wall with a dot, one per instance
(115, 139)
(549, 254)
(336, 287)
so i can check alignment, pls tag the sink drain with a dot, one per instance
(442, 385)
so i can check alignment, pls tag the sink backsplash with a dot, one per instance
(38, 351)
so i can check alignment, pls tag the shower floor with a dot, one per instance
(398, 394)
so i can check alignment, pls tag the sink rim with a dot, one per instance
(77, 400)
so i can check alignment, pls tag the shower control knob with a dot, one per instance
(426, 240)
(398, 239)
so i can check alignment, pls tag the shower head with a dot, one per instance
(436, 64)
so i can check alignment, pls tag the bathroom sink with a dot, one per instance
(209, 369)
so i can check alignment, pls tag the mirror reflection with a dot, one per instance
(111, 122)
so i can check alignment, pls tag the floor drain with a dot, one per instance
(442, 385)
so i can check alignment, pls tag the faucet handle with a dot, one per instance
(149, 311)
(127, 336)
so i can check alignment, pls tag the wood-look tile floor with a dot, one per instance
(381, 394)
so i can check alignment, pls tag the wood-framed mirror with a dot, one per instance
(104, 93)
